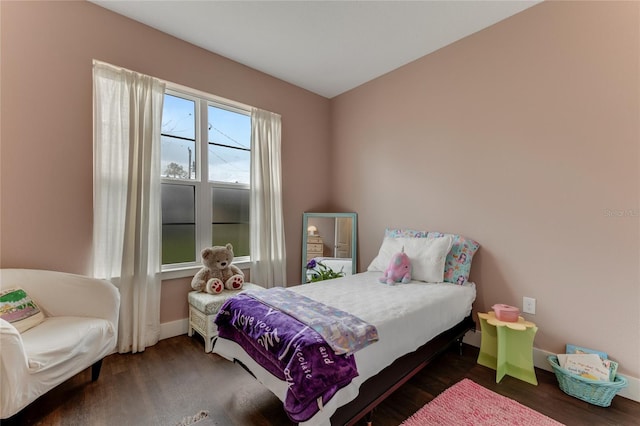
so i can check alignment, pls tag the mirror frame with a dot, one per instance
(305, 225)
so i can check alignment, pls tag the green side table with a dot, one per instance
(507, 347)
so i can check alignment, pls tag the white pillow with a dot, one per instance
(427, 255)
(389, 247)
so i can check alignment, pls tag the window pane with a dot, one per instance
(178, 117)
(236, 234)
(229, 165)
(230, 218)
(177, 155)
(178, 242)
(230, 205)
(178, 223)
(229, 146)
(178, 138)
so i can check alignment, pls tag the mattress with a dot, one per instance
(406, 316)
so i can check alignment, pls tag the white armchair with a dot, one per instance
(80, 328)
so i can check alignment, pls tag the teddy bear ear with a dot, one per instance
(205, 253)
(229, 246)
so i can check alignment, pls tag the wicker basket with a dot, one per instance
(592, 391)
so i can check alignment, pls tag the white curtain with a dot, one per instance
(269, 266)
(127, 113)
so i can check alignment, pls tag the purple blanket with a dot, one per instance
(289, 350)
(345, 333)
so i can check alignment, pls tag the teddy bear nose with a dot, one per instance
(223, 263)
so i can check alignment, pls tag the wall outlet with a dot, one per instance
(529, 305)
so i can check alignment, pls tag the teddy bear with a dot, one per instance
(399, 269)
(217, 272)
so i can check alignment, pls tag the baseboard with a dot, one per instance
(632, 391)
(174, 328)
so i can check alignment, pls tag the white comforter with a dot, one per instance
(406, 316)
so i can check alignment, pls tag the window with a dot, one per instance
(206, 159)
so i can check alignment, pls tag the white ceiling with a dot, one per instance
(326, 47)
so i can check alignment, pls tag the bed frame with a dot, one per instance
(375, 389)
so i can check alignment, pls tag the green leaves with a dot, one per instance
(320, 272)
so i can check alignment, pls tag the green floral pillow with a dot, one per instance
(17, 308)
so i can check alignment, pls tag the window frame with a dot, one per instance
(203, 209)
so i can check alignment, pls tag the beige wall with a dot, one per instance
(523, 136)
(46, 137)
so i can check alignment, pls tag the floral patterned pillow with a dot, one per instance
(404, 233)
(17, 307)
(458, 264)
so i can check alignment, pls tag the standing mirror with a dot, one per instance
(329, 238)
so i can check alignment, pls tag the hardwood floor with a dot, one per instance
(175, 378)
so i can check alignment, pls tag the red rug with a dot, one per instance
(468, 403)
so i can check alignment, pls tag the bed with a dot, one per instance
(413, 323)
(407, 317)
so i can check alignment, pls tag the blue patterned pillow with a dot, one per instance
(404, 233)
(458, 263)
